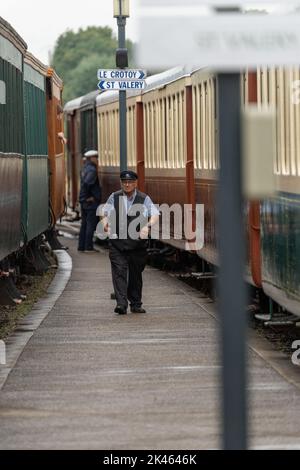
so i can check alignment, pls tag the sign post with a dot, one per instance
(121, 12)
(231, 284)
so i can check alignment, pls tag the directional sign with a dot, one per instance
(122, 85)
(120, 74)
(230, 41)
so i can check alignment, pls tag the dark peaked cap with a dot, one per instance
(128, 175)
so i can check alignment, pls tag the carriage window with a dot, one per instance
(182, 134)
(154, 134)
(131, 136)
(165, 140)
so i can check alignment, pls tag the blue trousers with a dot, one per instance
(89, 222)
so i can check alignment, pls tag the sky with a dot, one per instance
(40, 23)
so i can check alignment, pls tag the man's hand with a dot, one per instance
(61, 136)
(105, 224)
(144, 232)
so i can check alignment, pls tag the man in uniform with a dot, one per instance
(89, 198)
(128, 253)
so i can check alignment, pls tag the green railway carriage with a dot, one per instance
(280, 221)
(72, 113)
(81, 120)
(280, 216)
(35, 214)
(31, 162)
(12, 141)
(88, 111)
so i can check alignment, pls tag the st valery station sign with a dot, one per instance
(195, 35)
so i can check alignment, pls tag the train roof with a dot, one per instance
(7, 31)
(36, 64)
(164, 78)
(89, 100)
(73, 105)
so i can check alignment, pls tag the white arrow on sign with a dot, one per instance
(124, 85)
(120, 74)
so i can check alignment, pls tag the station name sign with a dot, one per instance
(147, 4)
(228, 41)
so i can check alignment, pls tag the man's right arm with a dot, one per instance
(90, 176)
(105, 212)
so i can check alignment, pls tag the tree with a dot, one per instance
(78, 56)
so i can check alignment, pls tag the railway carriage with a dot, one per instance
(204, 155)
(89, 140)
(32, 175)
(147, 147)
(165, 142)
(73, 116)
(35, 211)
(108, 139)
(81, 118)
(55, 125)
(280, 215)
(12, 139)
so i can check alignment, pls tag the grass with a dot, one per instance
(34, 287)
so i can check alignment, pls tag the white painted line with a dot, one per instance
(269, 387)
(277, 447)
(132, 341)
(158, 369)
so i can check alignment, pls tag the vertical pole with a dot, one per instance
(189, 169)
(254, 206)
(140, 153)
(232, 290)
(122, 101)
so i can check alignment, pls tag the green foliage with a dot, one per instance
(78, 56)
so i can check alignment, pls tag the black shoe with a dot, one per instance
(137, 310)
(120, 310)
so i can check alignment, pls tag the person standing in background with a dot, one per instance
(89, 198)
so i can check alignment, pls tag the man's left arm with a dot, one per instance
(153, 215)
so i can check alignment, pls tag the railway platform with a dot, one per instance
(90, 379)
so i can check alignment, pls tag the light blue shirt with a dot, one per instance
(150, 208)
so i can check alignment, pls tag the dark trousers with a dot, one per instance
(89, 222)
(127, 268)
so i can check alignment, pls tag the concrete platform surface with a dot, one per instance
(90, 379)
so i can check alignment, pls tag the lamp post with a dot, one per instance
(121, 12)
